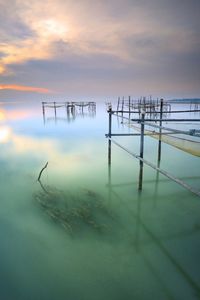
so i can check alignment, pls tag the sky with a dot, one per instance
(85, 49)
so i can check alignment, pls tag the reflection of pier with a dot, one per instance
(72, 110)
(146, 236)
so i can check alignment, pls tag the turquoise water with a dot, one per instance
(93, 236)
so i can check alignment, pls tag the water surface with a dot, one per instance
(122, 244)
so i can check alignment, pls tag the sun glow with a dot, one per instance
(2, 115)
(51, 28)
(5, 133)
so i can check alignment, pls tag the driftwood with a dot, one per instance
(43, 187)
(40, 174)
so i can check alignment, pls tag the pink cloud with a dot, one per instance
(24, 88)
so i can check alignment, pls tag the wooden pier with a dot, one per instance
(142, 228)
(72, 109)
(150, 106)
(150, 119)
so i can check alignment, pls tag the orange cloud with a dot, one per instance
(23, 88)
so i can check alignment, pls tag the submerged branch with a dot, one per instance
(40, 174)
(42, 186)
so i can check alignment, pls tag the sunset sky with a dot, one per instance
(101, 48)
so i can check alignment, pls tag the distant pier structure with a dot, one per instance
(72, 110)
(149, 105)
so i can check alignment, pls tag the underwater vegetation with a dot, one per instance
(84, 211)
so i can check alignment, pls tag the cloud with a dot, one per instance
(94, 27)
(24, 88)
(116, 43)
(85, 28)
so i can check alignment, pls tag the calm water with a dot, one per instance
(92, 235)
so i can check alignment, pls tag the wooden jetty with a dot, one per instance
(141, 227)
(72, 109)
(142, 121)
(150, 105)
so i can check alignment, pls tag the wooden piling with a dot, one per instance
(141, 151)
(55, 110)
(122, 106)
(160, 131)
(129, 106)
(43, 111)
(118, 102)
(109, 134)
(141, 106)
(142, 135)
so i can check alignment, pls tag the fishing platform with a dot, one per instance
(147, 117)
(72, 109)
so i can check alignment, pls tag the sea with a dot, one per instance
(84, 230)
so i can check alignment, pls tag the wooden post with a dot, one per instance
(141, 151)
(118, 104)
(142, 135)
(68, 112)
(109, 134)
(43, 111)
(160, 132)
(139, 106)
(122, 115)
(122, 103)
(55, 110)
(72, 110)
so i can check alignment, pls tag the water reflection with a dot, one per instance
(144, 236)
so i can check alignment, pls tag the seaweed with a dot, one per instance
(83, 211)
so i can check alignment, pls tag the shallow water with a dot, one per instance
(146, 245)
